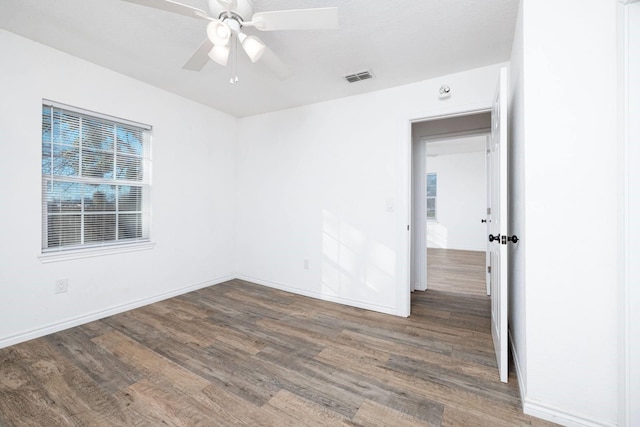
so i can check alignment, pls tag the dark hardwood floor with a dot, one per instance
(239, 354)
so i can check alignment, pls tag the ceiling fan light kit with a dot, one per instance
(220, 54)
(219, 33)
(227, 19)
(253, 47)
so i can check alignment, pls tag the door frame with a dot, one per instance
(487, 171)
(404, 190)
(419, 239)
(629, 140)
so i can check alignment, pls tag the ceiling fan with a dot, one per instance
(228, 19)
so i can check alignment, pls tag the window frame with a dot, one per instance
(93, 245)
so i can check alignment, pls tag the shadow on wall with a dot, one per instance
(353, 266)
(436, 235)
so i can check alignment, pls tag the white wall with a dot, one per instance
(193, 195)
(566, 127)
(461, 202)
(315, 182)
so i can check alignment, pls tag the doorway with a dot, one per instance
(449, 203)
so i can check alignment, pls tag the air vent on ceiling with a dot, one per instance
(364, 75)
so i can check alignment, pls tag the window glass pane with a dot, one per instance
(97, 134)
(431, 207)
(66, 160)
(129, 226)
(99, 227)
(129, 168)
(97, 164)
(46, 124)
(66, 128)
(46, 158)
(432, 185)
(129, 141)
(100, 198)
(63, 230)
(129, 198)
(64, 196)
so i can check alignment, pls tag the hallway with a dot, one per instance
(456, 271)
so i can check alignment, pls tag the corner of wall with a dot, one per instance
(517, 278)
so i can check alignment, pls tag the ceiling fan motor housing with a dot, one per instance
(243, 8)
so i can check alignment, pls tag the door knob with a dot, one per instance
(483, 220)
(496, 237)
(513, 239)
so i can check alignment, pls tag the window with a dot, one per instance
(95, 180)
(432, 193)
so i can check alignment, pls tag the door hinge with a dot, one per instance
(407, 228)
(489, 269)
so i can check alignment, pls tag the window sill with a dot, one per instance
(73, 254)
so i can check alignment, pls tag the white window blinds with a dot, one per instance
(95, 179)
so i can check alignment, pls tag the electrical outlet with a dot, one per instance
(389, 205)
(61, 286)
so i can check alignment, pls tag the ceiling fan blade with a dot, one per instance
(200, 58)
(325, 18)
(173, 7)
(275, 64)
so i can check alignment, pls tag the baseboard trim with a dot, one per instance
(316, 295)
(90, 317)
(546, 412)
(540, 410)
(419, 286)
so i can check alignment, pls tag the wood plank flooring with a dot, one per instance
(239, 354)
(459, 271)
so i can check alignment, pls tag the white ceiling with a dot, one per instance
(400, 41)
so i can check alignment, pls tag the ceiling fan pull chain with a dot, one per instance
(234, 67)
(235, 57)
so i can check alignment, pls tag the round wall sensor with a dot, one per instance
(445, 91)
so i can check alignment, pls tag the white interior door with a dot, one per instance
(497, 224)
